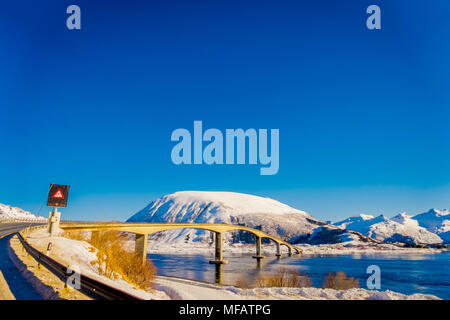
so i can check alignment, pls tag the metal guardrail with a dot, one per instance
(89, 286)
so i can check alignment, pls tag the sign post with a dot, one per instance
(57, 197)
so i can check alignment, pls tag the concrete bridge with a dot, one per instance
(142, 230)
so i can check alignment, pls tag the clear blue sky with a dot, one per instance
(363, 115)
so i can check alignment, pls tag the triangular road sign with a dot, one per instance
(58, 195)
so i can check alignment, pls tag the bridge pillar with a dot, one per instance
(140, 246)
(219, 273)
(218, 251)
(278, 254)
(258, 248)
(290, 251)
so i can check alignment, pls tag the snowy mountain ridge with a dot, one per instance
(14, 213)
(432, 227)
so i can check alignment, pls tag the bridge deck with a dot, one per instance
(149, 228)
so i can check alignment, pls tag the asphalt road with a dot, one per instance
(7, 228)
(20, 288)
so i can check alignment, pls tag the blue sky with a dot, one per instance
(363, 115)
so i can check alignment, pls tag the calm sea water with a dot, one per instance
(409, 273)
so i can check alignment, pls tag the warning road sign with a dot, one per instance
(57, 195)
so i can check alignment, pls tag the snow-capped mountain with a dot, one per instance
(360, 223)
(352, 220)
(14, 213)
(436, 221)
(401, 228)
(257, 212)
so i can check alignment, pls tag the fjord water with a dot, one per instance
(406, 273)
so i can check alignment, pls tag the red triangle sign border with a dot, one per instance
(58, 195)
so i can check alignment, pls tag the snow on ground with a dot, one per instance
(80, 254)
(181, 289)
(327, 294)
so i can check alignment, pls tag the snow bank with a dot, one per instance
(188, 289)
(328, 294)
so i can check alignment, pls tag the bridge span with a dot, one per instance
(142, 230)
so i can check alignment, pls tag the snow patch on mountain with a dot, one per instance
(9, 213)
(361, 223)
(355, 219)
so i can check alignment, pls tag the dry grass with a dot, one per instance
(77, 235)
(283, 278)
(339, 281)
(113, 259)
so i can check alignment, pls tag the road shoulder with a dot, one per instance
(44, 281)
(5, 292)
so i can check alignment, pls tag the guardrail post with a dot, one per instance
(218, 259)
(140, 246)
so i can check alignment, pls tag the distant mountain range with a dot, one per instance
(432, 227)
(283, 221)
(14, 213)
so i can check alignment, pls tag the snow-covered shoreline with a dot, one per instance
(308, 250)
